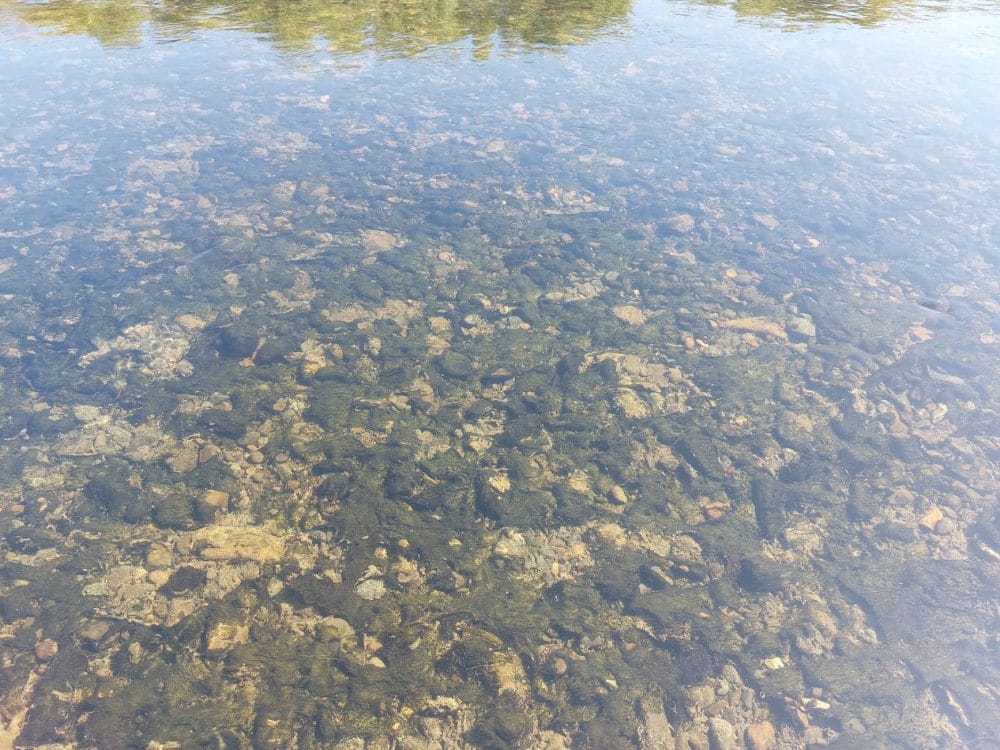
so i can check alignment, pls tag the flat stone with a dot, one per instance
(217, 542)
(94, 631)
(630, 314)
(224, 635)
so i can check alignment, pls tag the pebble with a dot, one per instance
(559, 666)
(944, 527)
(216, 499)
(618, 495)
(159, 556)
(760, 736)
(371, 589)
(721, 734)
(94, 631)
(46, 650)
(931, 518)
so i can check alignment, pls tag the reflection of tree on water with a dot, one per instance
(403, 26)
(861, 12)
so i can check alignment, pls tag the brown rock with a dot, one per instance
(46, 650)
(94, 631)
(216, 499)
(760, 736)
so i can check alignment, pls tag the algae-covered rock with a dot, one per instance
(174, 511)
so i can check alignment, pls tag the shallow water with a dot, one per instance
(507, 375)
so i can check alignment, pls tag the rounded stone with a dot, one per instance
(46, 650)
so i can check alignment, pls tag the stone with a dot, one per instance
(94, 631)
(46, 650)
(931, 518)
(631, 404)
(630, 314)
(721, 734)
(372, 589)
(760, 736)
(159, 556)
(803, 327)
(218, 542)
(681, 223)
(224, 635)
(216, 498)
(655, 732)
(377, 240)
(617, 495)
(499, 482)
(755, 325)
(945, 527)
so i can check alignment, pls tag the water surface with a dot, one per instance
(499, 375)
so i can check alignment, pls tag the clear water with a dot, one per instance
(502, 375)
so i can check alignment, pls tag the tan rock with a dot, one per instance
(499, 482)
(760, 736)
(216, 498)
(377, 240)
(655, 732)
(159, 556)
(631, 404)
(618, 495)
(216, 542)
(224, 635)
(94, 631)
(159, 577)
(755, 325)
(931, 518)
(630, 314)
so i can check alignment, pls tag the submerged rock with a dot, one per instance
(218, 542)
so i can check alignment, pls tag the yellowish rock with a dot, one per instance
(631, 404)
(159, 556)
(631, 314)
(217, 542)
(224, 635)
(755, 325)
(499, 482)
(216, 499)
(931, 518)
(760, 736)
(159, 577)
